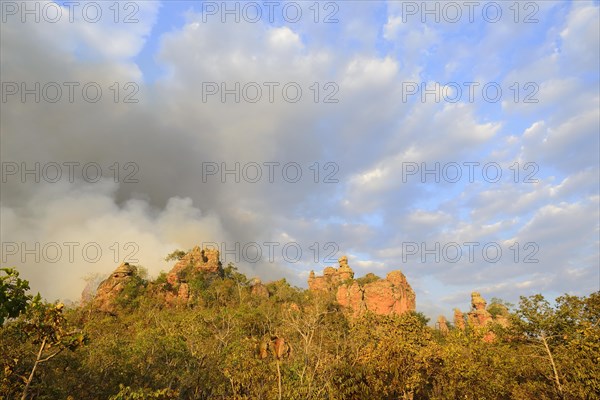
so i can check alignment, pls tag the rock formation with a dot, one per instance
(176, 291)
(459, 319)
(392, 295)
(112, 287)
(442, 324)
(332, 277)
(179, 297)
(480, 318)
(196, 261)
(275, 346)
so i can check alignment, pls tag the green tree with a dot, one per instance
(568, 335)
(175, 255)
(127, 393)
(537, 321)
(499, 307)
(390, 357)
(577, 344)
(46, 325)
(13, 294)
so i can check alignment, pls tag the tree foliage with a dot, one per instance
(13, 294)
(223, 345)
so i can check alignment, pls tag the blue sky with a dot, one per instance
(369, 58)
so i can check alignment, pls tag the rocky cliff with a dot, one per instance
(392, 295)
(197, 260)
(111, 288)
(175, 291)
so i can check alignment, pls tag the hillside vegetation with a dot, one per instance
(232, 341)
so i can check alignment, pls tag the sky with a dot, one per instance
(457, 142)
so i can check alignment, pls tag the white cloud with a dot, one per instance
(284, 39)
(581, 37)
(369, 134)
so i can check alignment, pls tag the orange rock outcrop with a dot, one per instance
(480, 319)
(196, 261)
(392, 295)
(112, 287)
(332, 277)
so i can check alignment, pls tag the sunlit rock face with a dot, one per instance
(479, 316)
(112, 287)
(195, 262)
(459, 319)
(442, 324)
(392, 295)
(332, 277)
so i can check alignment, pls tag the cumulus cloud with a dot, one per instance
(352, 197)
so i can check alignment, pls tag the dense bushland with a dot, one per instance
(220, 346)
